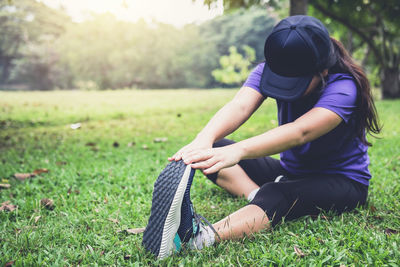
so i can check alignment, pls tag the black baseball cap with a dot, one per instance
(298, 48)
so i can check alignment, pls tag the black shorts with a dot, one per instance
(296, 196)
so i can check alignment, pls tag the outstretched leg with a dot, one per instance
(245, 221)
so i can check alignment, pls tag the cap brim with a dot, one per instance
(282, 87)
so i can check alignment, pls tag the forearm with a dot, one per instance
(310, 126)
(272, 142)
(224, 122)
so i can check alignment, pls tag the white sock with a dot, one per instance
(205, 238)
(277, 179)
(252, 194)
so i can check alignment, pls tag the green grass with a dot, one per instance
(90, 186)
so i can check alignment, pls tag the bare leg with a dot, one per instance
(245, 221)
(235, 180)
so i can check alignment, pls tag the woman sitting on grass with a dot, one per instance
(325, 108)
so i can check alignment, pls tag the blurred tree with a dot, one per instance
(234, 67)
(40, 68)
(115, 54)
(239, 28)
(375, 22)
(22, 23)
(96, 51)
(298, 7)
(234, 4)
(42, 48)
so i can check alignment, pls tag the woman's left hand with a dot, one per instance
(213, 159)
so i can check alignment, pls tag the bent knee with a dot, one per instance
(273, 201)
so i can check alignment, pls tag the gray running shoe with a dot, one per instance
(165, 218)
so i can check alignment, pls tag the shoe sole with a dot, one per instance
(165, 215)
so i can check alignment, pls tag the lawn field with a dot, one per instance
(100, 178)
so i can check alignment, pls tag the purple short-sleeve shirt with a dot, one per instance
(338, 152)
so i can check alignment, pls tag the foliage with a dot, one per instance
(114, 54)
(99, 189)
(234, 67)
(23, 24)
(158, 55)
(377, 24)
(239, 28)
(103, 52)
(374, 24)
(40, 67)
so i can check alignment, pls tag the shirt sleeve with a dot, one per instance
(254, 79)
(340, 97)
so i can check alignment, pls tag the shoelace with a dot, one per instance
(198, 218)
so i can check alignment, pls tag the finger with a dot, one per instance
(213, 169)
(183, 154)
(190, 153)
(198, 152)
(198, 156)
(205, 164)
(172, 157)
(178, 155)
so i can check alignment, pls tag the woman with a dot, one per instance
(325, 108)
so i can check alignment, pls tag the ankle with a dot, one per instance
(205, 238)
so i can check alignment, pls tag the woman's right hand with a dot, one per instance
(196, 144)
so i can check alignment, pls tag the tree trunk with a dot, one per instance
(298, 7)
(5, 63)
(366, 57)
(390, 82)
(349, 43)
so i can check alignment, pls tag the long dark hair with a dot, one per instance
(367, 115)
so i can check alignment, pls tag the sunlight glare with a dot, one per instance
(176, 12)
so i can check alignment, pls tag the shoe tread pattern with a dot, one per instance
(163, 194)
(185, 230)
